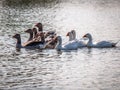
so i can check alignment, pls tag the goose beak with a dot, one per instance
(26, 31)
(84, 36)
(37, 24)
(67, 34)
(13, 36)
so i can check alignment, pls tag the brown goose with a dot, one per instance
(30, 44)
(39, 28)
(51, 43)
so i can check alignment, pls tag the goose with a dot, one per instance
(68, 46)
(39, 36)
(51, 43)
(80, 42)
(101, 44)
(30, 44)
(71, 41)
(30, 34)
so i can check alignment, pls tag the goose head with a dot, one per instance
(88, 35)
(39, 26)
(29, 31)
(70, 36)
(16, 36)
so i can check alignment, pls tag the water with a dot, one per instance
(82, 69)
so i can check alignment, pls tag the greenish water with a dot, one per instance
(82, 69)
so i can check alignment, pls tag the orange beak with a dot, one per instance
(67, 34)
(84, 36)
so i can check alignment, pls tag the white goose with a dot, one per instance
(67, 46)
(72, 39)
(102, 44)
(80, 42)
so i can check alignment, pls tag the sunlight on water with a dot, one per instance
(82, 69)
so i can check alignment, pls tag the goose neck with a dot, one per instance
(90, 41)
(74, 36)
(59, 44)
(30, 37)
(18, 44)
(70, 37)
(19, 40)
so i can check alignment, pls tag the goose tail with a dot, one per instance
(114, 44)
(117, 42)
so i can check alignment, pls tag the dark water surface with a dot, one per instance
(83, 69)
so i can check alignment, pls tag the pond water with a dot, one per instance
(82, 69)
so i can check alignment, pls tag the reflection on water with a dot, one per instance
(83, 69)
